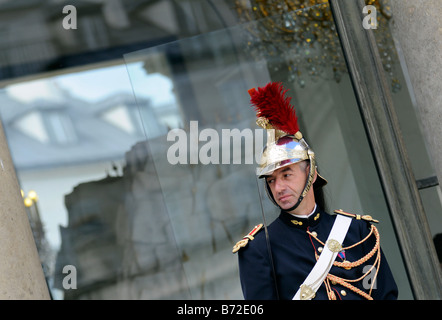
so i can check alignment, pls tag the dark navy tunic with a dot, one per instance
(293, 256)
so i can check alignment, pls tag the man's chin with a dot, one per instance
(286, 205)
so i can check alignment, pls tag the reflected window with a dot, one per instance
(47, 126)
(32, 125)
(123, 117)
(60, 127)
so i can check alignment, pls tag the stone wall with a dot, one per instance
(417, 29)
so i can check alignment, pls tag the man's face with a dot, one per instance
(287, 184)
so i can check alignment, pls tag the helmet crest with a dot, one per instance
(271, 104)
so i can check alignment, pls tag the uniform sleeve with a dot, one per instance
(255, 271)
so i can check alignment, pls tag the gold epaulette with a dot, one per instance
(244, 241)
(365, 217)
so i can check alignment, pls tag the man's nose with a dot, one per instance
(279, 185)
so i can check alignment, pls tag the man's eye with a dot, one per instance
(270, 181)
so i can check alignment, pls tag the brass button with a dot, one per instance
(320, 249)
(343, 292)
(314, 234)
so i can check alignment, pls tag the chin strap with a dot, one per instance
(309, 181)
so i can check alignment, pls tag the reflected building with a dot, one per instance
(65, 138)
(136, 227)
(140, 236)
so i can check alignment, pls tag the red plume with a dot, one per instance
(270, 103)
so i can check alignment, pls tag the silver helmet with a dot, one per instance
(285, 143)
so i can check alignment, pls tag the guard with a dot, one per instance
(308, 253)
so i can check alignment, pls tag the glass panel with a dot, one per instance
(406, 110)
(210, 194)
(98, 216)
(205, 161)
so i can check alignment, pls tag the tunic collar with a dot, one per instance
(301, 222)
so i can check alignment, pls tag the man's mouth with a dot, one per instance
(284, 198)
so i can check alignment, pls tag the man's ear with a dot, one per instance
(307, 167)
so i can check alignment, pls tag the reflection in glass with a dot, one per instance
(132, 224)
(77, 140)
(213, 204)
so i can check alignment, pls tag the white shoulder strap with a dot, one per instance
(333, 245)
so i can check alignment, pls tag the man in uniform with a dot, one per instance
(307, 253)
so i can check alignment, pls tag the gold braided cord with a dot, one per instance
(349, 247)
(348, 265)
(345, 282)
(363, 240)
(349, 286)
(364, 258)
(377, 261)
(331, 295)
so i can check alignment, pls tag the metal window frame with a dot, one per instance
(400, 188)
